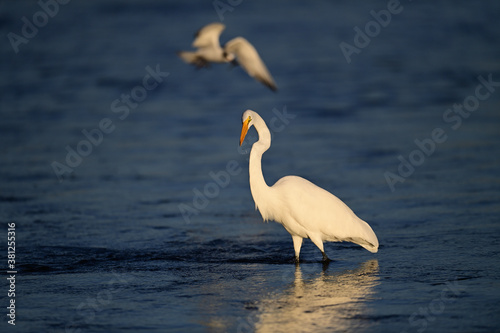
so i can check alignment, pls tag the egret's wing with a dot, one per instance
(208, 36)
(250, 60)
(319, 211)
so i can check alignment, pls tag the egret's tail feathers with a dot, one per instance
(369, 240)
(370, 247)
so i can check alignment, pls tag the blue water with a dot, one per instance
(106, 247)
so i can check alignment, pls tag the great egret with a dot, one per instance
(304, 209)
(237, 50)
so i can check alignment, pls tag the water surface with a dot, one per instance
(106, 248)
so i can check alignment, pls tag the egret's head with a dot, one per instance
(247, 123)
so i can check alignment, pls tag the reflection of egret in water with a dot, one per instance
(327, 302)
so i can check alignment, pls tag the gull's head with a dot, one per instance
(228, 56)
(247, 120)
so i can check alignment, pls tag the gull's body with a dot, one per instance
(209, 51)
(208, 48)
(304, 209)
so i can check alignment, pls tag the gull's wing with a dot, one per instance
(208, 36)
(250, 60)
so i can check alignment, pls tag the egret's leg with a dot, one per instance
(297, 243)
(319, 243)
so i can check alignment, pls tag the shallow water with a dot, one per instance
(106, 248)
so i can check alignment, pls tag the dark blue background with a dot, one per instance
(108, 249)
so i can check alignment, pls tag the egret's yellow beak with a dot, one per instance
(244, 130)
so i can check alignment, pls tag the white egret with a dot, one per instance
(304, 209)
(236, 51)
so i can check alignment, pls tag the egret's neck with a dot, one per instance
(258, 185)
(255, 167)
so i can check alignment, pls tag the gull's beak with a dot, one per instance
(244, 130)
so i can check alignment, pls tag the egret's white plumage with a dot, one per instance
(236, 51)
(304, 209)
